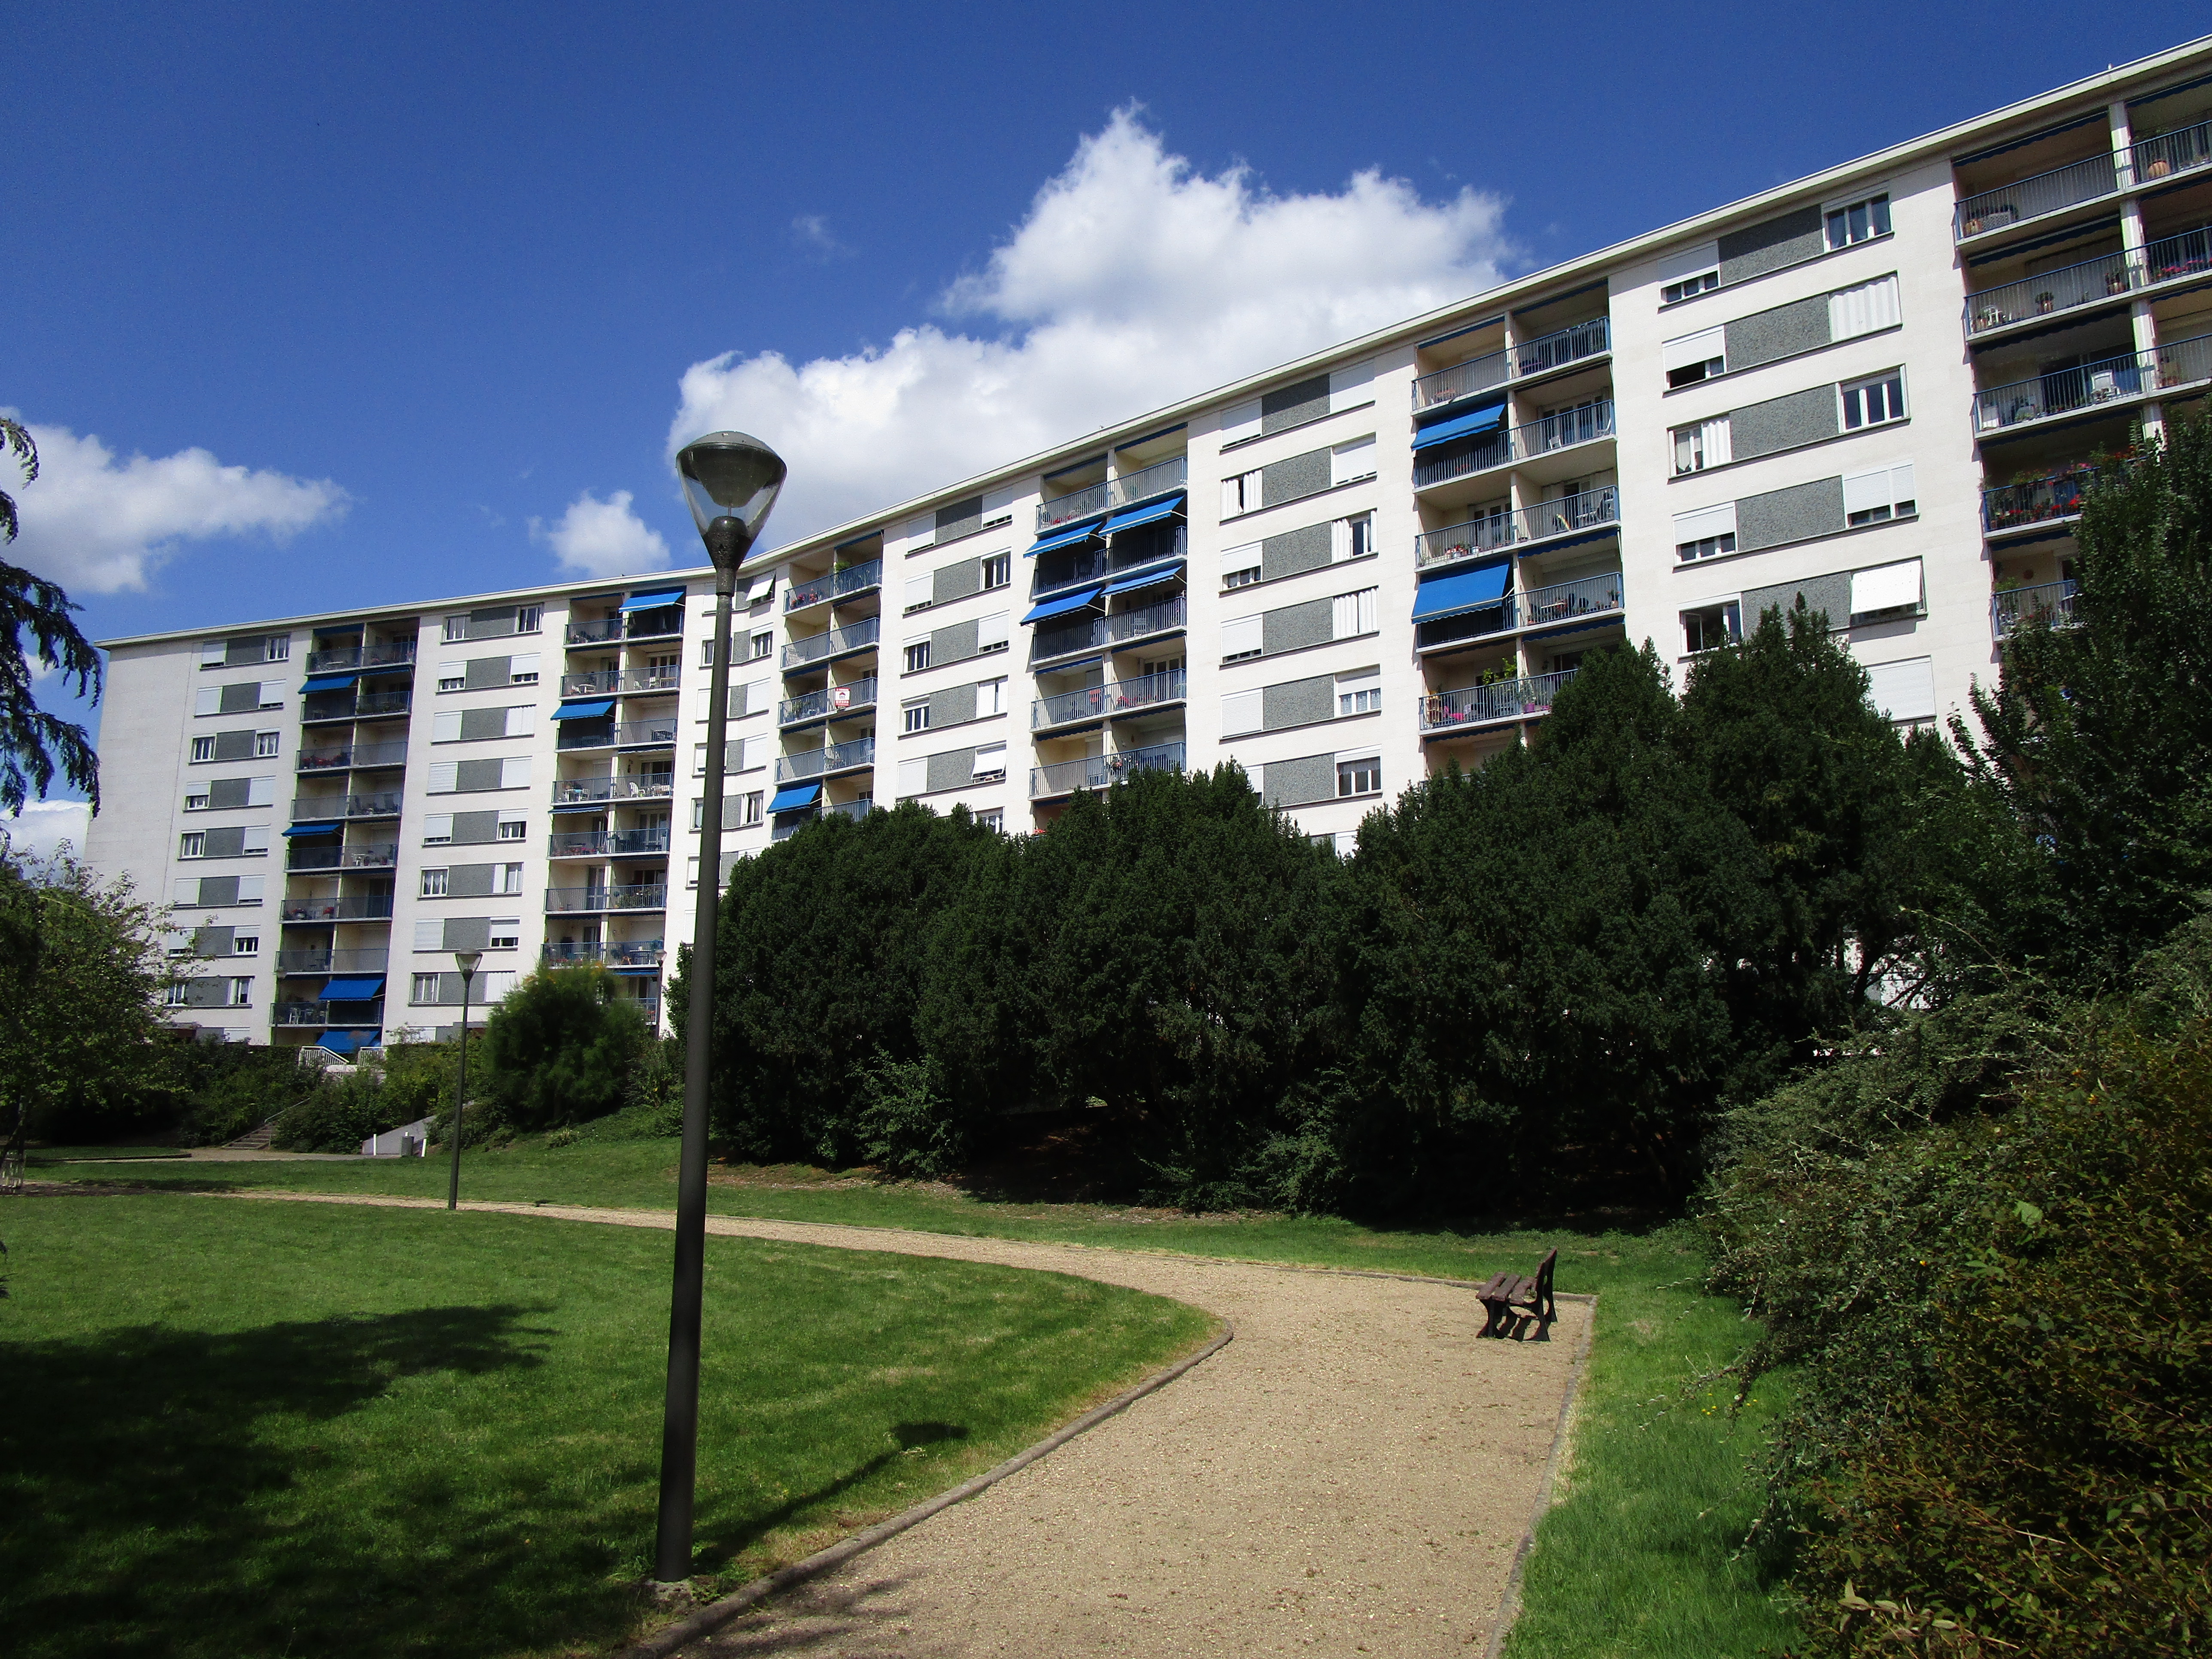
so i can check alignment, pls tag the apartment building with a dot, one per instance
(1878, 388)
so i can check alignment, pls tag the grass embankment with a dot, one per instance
(235, 1429)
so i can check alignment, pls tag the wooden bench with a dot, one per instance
(1509, 1296)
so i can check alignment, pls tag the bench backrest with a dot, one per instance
(1544, 1279)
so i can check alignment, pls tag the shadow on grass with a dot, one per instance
(727, 1543)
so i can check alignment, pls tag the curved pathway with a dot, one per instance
(1353, 1474)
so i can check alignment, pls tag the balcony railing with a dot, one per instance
(1101, 771)
(380, 855)
(2036, 500)
(1564, 430)
(2047, 602)
(602, 630)
(1103, 632)
(295, 1014)
(1563, 602)
(340, 755)
(333, 962)
(854, 809)
(820, 647)
(593, 901)
(628, 681)
(2068, 391)
(368, 906)
(858, 697)
(1531, 357)
(599, 792)
(631, 953)
(2113, 276)
(1104, 701)
(609, 843)
(375, 705)
(2030, 199)
(1593, 509)
(384, 654)
(844, 584)
(631, 734)
(1127, 489)
(2169, 153)
(1487, 705)
(384, 804)
(1085, 503)
(821, 763)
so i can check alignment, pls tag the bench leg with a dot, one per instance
(1494, 1325)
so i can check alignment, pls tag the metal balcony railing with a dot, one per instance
(2169, 153)
(820, 647)
(1161, 478)
(2112, 275)
(584, 734)
(1592, 509)
(598, 792)
(369, 907)
(332, 962)
(1486, 705)
(1563, 602)
(631, 953)
(2047, 602)
(374, 705)
(380, 855)
(1101, 771)
(1085, 503)
(2035, 500)
(2068, 391)
(339, 756)
(383, 804)
(600, 630)
(593, 901)
(609, 843)
(852, 580)
(1104, 701)
(311, 1013)
(821, 763)
(1118, 630)
(854, 809)
(654, 625)
(1074, 567)
(628, 681)
(1538, 356)
(853, 698)
(1565, 430)
(647, 734)
(383, 653)
(2029, 198)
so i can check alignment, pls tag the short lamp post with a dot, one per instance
(730, 481)
(466, 962)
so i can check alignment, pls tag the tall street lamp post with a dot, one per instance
(730, 481)
(466, 962)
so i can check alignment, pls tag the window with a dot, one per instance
(172, 996)
(1861, 222)
(1242, 637)
(437, 828)
(998, 571)
(990, 698)
(1711, 628)
(529, 618)
(763, 644)
(921, 591)
(1239, 494)
(245, 945)
(1706, 444)
(265, 744)
(434, 884)
(1878, 496)
(993, 818)
(203, 749)
(1887, 590)
(241, 993)
(1706, 547)
(445, 728)
(990, 764)
(1363, 776)
(272, 694)
(505, 934)
(1240, 566)
(917, 656)
(1352, 538)
(192, 844)
(277, 647)
(991, 633)
(1360, 693)
(196, 800)
(1352, 614)
(514, 772)
(1864, 309)
(513, 829)
(510, 877)
(452, 676)
(214, 653)
(430, 935)
(749, 809)
(1689, 288)
(424, 989)
(457, 628)
(1694, 357)
(1705, 533)
(1349, 463)
(915, 715)
(1242, 712)
(522, 670)
(1869, 403)
(913, 775)
(705, 653)
(1240, 422)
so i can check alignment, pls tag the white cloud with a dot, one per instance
(44, 825)
(810, 231)
(603, 538)
(1132, 282)
(97, 525)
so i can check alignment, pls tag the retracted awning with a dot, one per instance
(332, 682)
(365, 988)
(1465, 590)
(792, 796)
(314, 829)
(1152, 513)
(1482, 421)
(1063, 603)
(596, 710)
(641, 972)
(656, 598)
(1147, 577)
(1064, 538)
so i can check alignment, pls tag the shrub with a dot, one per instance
(556, 1050)
(336, 1115)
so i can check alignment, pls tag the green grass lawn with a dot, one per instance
(46, 1154)
(1641, 1559)
(231, 1429)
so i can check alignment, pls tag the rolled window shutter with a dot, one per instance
(993, 631)
(1901, 494)
(213, 653)
(1241, 713)
(1701, 347)
(1347, 462)
(444, 777)
(1705, 522)
(1863, 309)
(913, 775)
(1237, 560)
(1885, 587)
(446, 726)
(430, 935)
(250, 887)
(1863, 491)
(261, 792)
(918, 589)
(1902, 690)
(522, 722)
(187, 890)
(208, 700)
(1241, 636)
(1351, 385)
(524, 663)
(514, 772)
(272, 693)
(1240, 422)
(991, 758)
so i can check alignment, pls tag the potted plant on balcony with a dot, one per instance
(2116, 282)
(2044, 302)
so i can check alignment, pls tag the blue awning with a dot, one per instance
(1147, 514)
(657, 598)
(1464, 590)
(1065, 603)
(314, 829)
(1461, 426)
(585, 711)
(1147, 577)
(1066, 537)
(639, 971)
(792, 796)
(332, 682)
(365, 988)
(339, 1042)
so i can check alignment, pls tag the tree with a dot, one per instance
(32, 743)
(557, 1050)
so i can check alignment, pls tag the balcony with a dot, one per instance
(647, 734)
(852, 809)
(1101, 771)
(2049, 603)
(1524, 361)
(2169, 153)
(610, 843)
(1111, 633)
(2112, 380)
(596, 901)
(2030, 199)
(601, 792)
(834, 589)
(384, 654)
(825, 762)
(1570, 515)
(1567, 430)
(340, 757)
(828, 702)
(2113, 277)
(2052, 499)
(367, 907)
(1444, 713)
(333, 962)
(379, 705)
(1123, 489)
(384, 804)
(837, 642)
(380, 855)
(1069, 568)
(296, 1014)
(635, 953)
(1099, 702)
(627, 681)
(1085, 503)
(603, 631)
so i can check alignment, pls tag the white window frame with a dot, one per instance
(267, 746)
(1853, 399)
(1843, 230)
(1731, 621)
(1240, 566)
(1240, 494)
(990, 698)
(1356, 770)
(510, 880)
(1242, 638)
(763, 645)
(1353, 462)
(1689, 358)
(1704, 532)
(1359, 692)
(998, 572)
(437, 829)
(192, 844)
(917, 656)
(203, 750)
(453, 675)
(517, 674)
(504, 934)
(987, 763)
(921, 591)
(1880, 495)
(434, 884)
(1703, 444)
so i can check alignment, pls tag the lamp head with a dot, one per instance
(466, 961)
(730, 481)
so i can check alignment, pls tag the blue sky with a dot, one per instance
(372, 288)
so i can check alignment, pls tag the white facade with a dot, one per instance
(1873, 387)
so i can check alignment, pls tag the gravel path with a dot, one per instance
(1351, 1475)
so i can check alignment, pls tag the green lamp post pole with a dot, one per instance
(730, 481)
(466, 962)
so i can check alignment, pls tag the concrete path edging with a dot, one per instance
(1508, 1605)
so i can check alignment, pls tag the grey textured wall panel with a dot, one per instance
(225, 844)
(952, 644)
(493, 623)
(1830, 596)
(1772, 244)
(234, 745)
(470, 880)
(484, 672)
(207, 993)
(213, 941)
(1295, 625)
(1298, 702)
(230, 792)
(218, 889)
(960, 519)
(474, 828)
(242, 698)
(1297, 782)
(471, 777)
(957, 581)
(1765, 336)
(467, 933)
(951, 769)
(952, 705)
(242, 653)
(1294, 405)
(1298, 476)
(1295, 550)
(1803, 418)
(1788, 515)
(477, 723)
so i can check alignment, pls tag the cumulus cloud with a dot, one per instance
(98, 524)
(603, 538)
(44, 825)
(1132, 280)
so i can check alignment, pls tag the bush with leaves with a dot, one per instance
(557, 1049)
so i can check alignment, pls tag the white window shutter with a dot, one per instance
(208, 700)
(920, 533)
(444, 777)
(994, 629)
(1339, 541)
(1241, 636)
(756, 751)
(522, 722)
(1863, 309)
(1000, 500)
(212, 653)
(272, 693)
(1885, 587)
(1719, 443)
(1356, 459)
(1865, 490)
(1369, 621)
(1688, 262)
(1232, 497)
(445, 725)
(1685, 350)
(518, 666)
(250, 889)
(918, 589)
(1901, 494)
(257, 838)
(1237, 560)
(1353, 613)
(1902, 690)
(991, 757)
(430, 935)
(1240, 712)
(438, 826)
(1240, 422)
(1352, 385)
(913, 775)
(759, 697)
(261, 792)
(514, 772)
(452, 668)
(187, 890)
(1705, 522)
